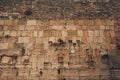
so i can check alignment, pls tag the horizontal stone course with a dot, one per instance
(51, 45)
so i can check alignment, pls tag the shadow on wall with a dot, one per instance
(115, 58)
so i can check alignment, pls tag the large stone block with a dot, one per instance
(1, 22)
(47, 33)
(31, 22)
(35, 34)
(41, 33)
(64, 33)
(80, 33)
(29, 27)
(90, 33)
(5, 60)
(72, 33)
(57, 27)
(21, 27)
(102, 33)
(23, 40)
(97, 33)
(70, 27)
(56, 33)
(112, 33)
(1, 33)
(6, 33)
(13, 33)
(8, 22)
(3, 45)
(23, 33)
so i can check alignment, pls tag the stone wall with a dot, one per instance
(56, 49)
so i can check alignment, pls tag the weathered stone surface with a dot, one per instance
(31, 22)
(5, 60)
(3, 45)
(23, 40)
(13, 33)
(48, 46)
(1, 22)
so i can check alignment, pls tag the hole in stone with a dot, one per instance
(22, 52)
(70, 41)
(78, 41)
(58, 71)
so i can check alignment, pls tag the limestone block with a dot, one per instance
(64, 33)
(72, 33)
(52, 39)
(56, 33)
(57, 27)
(45, 39)
(5, 27)
(6, 33)
(107, 27)
(23, 33)
(38, 40)
(74, 39)
(1, 33)
(23, 40)
(29, 33)
(90, 33)
(46, 46)
(84, 27)
(107, 33)
(31, 22)
(109, 22)
(100, 40)
(35, 34)
(8, 22)
(101, 33)
(55, 65)
(21, 27)
(41, 33)
(102, 27)
(71, 27)
(66, 65)
(80, 33)
(18, 33)
(3, 45)
(5, 60)
(13, 33)
(97, 33)
(85, 34)
(112, 33)
(47, 33)
(29, 27)
(103, 52)
(90, 39)
(113, 46)
(1, 22)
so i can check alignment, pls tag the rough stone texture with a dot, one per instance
(59, 40)
(57, 51)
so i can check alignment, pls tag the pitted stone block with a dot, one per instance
(31, 22)
(80, 33)
(5, 60)
(1, 22)
(3, 45)
(23, 40)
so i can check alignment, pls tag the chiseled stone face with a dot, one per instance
(5, 60)
(31, 22)
(39, 48)
(3, 46)
(23, 40)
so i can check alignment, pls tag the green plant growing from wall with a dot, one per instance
(22, 52)
(105, 56)
(28, 12)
